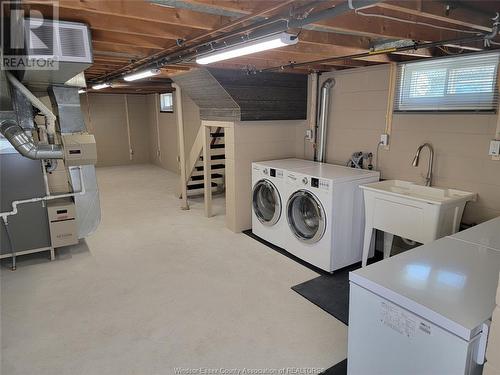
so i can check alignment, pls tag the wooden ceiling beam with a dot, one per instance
(117, 23)
(452, 12)
(328, 50)
(131, 40)
(378, 28)
(322, 38)
(141, 10)
(137, 52)
(128, 90)
(375, 27)
(266, 59)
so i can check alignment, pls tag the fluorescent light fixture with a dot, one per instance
(254, 46)
(101, 86)
(141, 74)
(81, 91)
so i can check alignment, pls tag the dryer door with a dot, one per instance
(266, 202)
(306, 216)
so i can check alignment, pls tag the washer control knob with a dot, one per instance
(266, 171)
(304, 180)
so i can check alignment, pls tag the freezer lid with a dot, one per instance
(487, 234)
(449, 282)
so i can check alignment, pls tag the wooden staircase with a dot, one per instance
(195, 176)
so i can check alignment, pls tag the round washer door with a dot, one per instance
(306, 216)
(266, 202)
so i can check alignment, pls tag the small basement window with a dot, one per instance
(463, 83)
(167, 102)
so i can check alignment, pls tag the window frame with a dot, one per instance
(168, 110)
(462, 102)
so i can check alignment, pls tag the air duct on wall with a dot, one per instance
(324, 108)
(25, 144)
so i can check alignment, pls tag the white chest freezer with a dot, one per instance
(425, 311)
(487, 234)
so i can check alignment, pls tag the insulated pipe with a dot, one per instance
(323, 119)
(25, 145)
(49, 115)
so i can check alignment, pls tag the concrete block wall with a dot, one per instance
(247, 142)
(105, 117)
(460, 140)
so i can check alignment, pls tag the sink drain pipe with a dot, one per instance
(321, 131)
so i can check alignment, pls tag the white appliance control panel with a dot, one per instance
(309, 181)
(270, 172)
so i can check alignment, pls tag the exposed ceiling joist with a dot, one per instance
(127, 32)
(451, 12)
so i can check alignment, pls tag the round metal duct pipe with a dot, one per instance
(324, 108)
(25, 145)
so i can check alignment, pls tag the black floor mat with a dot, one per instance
(330, 292)
(249, 233)
(339, 369)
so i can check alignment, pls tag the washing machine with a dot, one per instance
(267, 197)
(324, 213)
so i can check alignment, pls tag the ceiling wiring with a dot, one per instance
(414, 22)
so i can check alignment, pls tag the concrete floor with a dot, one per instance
(157, 288)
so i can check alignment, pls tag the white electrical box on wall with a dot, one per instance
(309, 135)
(494, 148)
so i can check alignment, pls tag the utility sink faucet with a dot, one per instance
(428, 178)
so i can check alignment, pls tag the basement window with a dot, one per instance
(464, 83)
(167, 102)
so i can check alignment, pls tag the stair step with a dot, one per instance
(217, 135)
(201, 177)
(199, 163)
(217, 181)
(215, 157)
(197, 172)
(201, 192)
(218, 151)
(199, 186)
(218, 145)
(213, 166)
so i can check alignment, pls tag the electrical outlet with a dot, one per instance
(494, 148)
(384, 139)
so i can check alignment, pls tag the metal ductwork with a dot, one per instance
(323, 119)
(25, 145)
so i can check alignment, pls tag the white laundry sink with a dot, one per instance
(419, 213)
(432, 195)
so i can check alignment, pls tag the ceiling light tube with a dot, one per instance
(141, 74)
(101, 86)
(254, 46)
(81, 91)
